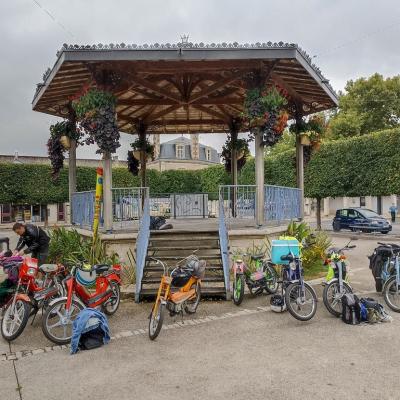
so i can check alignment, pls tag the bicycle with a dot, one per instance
(300, 297)
(337, 279)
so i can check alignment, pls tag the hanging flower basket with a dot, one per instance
(242, 153)
(66, 142)
(96, 112)
(134, 155)
(61, 134)
(305, 140)
(264, 111)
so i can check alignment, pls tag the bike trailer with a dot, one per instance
(282, 247)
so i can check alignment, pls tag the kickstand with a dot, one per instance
(34, 316)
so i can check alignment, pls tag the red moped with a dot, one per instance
(31, 294)
(59, 316)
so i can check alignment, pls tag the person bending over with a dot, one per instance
(34, 238)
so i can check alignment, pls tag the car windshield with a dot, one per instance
(369, 214)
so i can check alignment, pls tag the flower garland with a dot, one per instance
(264, 110)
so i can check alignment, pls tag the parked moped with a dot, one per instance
(337, 284)
(59, 316)
(31, 295)
(263, 278)
(187, 278)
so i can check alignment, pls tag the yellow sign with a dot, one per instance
(97, 203)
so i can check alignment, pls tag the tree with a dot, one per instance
(369, 105)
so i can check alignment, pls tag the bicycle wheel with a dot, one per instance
(238, 289)
(156, 321)
(57, 321)
(112, 304)
(15, 319)
(333, 297)
(301, 308)
(271, 277)
(391, 294)
(192, 304)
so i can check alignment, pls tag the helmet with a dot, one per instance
(278, 303)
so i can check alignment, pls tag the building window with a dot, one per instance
(362, 201)
(180, 153)
(208, 154)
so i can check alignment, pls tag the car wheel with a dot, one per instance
(385, 232)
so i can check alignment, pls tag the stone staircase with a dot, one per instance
(171, 246)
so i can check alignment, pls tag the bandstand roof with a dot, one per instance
(184, 87)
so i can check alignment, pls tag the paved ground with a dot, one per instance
(224, 352)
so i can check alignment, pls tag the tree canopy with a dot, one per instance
(369, 105)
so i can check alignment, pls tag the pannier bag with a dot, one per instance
(180, 277)
(376, 262)
(351, 309)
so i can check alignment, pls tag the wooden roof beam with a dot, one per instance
(155, 88)
(211, 112)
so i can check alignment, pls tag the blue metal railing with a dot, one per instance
(224, 247)
(282, 203)
(82, 208)
(142, 242)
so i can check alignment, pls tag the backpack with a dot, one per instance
(351, 309)
(375, 311)
(92, 339)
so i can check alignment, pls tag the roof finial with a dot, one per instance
(185, 39)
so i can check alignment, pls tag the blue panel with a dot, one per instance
(82, 208)
(282, 203)
(224, 246)
(142, 242)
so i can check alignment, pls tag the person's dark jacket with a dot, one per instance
(35, 238)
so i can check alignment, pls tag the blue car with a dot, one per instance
(360, 219)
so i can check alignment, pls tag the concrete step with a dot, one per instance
(182, 248)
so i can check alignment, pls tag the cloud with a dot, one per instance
(350, 39)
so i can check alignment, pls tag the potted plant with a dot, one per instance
(305, 139)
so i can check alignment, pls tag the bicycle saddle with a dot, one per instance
(288, 257)
(257, 257)
(100, 268)
(46, 268)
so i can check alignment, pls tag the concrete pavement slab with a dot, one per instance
(8, 382)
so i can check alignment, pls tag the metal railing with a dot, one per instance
(280, 203)
(127, 205)
(142, 242)
(82, 208)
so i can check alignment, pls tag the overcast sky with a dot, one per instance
(351, 38)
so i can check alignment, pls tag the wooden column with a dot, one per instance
(71, 174)
(259, 166)
(234, 128)
(71, 162)
(107, 192)
(141, 129)
(300, 162)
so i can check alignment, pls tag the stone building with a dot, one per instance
(182, 153)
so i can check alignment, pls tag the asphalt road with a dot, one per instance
(224, 352)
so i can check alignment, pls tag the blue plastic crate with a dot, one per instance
(282, 248)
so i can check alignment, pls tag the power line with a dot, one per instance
(53, 18)
(358, 39)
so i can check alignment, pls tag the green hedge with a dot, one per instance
(360, 166)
